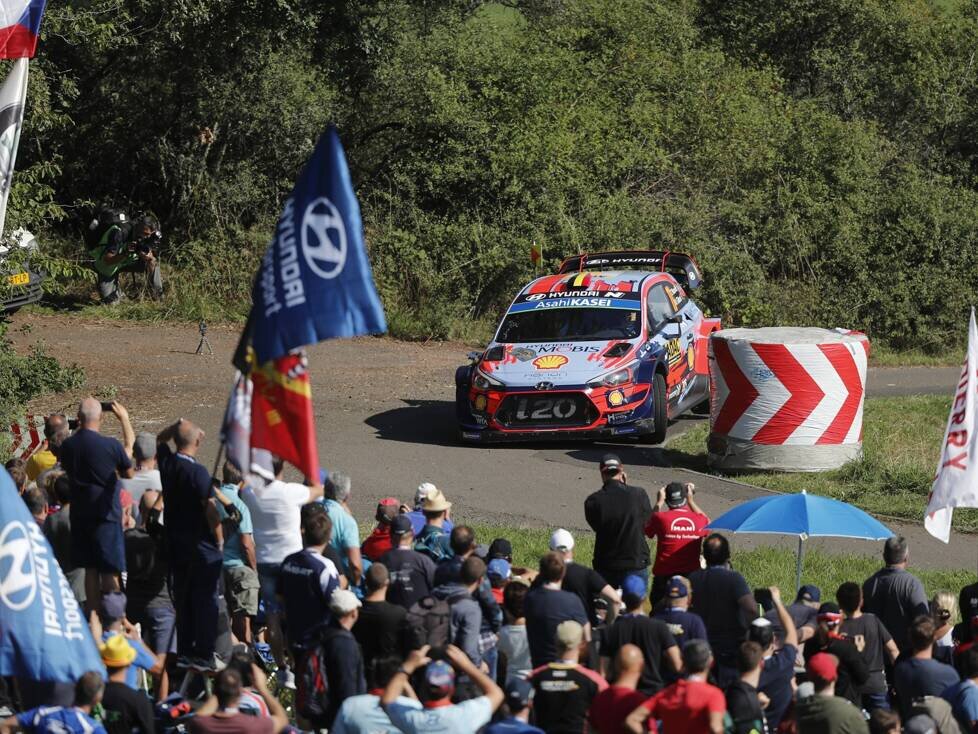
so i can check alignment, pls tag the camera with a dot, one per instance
(146, 244)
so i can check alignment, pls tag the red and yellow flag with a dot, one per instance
(281, 413)
(536, 254)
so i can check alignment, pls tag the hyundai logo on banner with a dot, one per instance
(43, 633)
(315, 281)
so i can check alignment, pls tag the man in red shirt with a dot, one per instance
(611, 707)
(690, 706)
(379, 541)
(679, 530)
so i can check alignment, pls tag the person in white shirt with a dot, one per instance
(275, 518)
(147, 476)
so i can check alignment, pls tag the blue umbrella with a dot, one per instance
(805, 515)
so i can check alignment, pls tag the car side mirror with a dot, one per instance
(474, 356)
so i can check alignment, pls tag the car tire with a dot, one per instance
(660, 415)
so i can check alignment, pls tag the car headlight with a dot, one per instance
(614, 379)
(482, 381)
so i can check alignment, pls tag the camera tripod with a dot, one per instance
(202, 328)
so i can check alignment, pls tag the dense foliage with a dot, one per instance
(817, 156)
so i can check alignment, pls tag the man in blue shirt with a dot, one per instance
(346, 534)
(416, 516)
(546, 607)
(519, 701)
(94, 463)
(963, 696)
(683, 624)
(61, 719)
(112, 615)
(240, 564)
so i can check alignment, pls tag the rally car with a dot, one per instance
(610, 346)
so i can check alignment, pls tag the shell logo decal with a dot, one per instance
(550, 362)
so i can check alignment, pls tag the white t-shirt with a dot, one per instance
(364, 715)
(514, 644)
(275, 518)
(143, 479)
(460, 718)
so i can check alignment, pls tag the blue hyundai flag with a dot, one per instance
(43, 632)
(315, 281)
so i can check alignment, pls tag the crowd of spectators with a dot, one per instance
(422, 626)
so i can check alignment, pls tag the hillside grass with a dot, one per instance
(901, 444)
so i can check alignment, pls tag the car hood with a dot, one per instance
(562, 363)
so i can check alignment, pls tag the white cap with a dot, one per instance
(422, 492)
(342, 602)
(561, 540)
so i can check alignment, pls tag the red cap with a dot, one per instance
(824, 666)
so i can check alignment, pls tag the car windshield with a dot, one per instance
(570, 324)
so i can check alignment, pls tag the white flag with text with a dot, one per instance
(13, 95)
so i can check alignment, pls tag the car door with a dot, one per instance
(664, 302)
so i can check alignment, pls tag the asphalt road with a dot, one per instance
(384, 414)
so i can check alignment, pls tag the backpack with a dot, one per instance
(312, 686)
(429, 622)
(435, 545)
(105, 219)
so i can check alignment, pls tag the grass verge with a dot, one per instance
(901, 443)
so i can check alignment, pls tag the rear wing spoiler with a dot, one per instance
(679, 265)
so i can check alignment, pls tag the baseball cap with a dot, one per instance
(633, 587)
(343, 601)
(676, 588)
(113, 606)
(145, 447)
(920, 724)
(519, 693)
(436, 502)
(422, 492)
(499, 567)
(676, 494)
(387, 510)
(829, 612)
(809, 592)
(400, 525)
(610, 463)
(570, 634)
(440, 678)
(500, 548)
(561, 540)
(823, 666)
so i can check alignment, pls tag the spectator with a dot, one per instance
(18, 474)
(723, 600)
(433, 540)
(920, 675)
(148, 598)
(378, 542)
(412, 574)
(513, 643)
(380, 628)
(683, 624)
(462, 543)
(519, 702)
(94, 464)
(651, 636)
(227, 719)
(963, 696)
(688, 705)
(76, 719)
(744, 702)
(968, 603)
(363, 714)
(499, 573)
(57, 529)
(894, 594)
(466, 614)
(146, 476)
(883, 721)
(194, 539)
(346, 535)
(803, 612)
(873, 642)
(44, 459)
(944, 607)
(240, 563)
(126, 710)
(824, 711)
(440, 716)
(617, 513)
(586, 583)
(679, 533)
(546, 607)
(563, 687)
(112, 623)
(417, 517)
(778, 674)
(251, 701)
(306, 583)
(853, 673)
(318, 508)
(341, 653)
(611, 707)
(37, 504)
(277, 524)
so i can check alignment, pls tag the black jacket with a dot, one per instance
(617, 513)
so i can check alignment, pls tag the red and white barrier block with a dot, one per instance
(26, 436)
(786, 399)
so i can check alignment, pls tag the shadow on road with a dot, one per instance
(639, 455)
(429, 422)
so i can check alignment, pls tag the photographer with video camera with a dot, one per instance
(118, 245)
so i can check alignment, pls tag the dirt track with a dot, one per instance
(385, 412)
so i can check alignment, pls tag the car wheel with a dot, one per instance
(659, 413)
